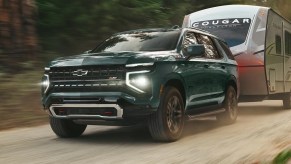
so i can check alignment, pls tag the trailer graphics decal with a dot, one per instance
(222, 23)
(234, 30)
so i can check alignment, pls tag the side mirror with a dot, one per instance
(87, 52)
(196, 50)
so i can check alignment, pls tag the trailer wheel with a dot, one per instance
(168, 122)
(287, 101)
(66, 128)
(230, 106)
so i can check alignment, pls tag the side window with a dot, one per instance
(278, 44)
(226, 50)
(189, 39)
(288, 43)
(210, 49)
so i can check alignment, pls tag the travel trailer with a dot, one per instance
(260, 40)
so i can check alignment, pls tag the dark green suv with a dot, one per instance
(158, 76)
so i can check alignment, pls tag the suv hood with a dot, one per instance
(114, 58)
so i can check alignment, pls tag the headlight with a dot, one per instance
(45, 83)
(138, 81)
(139, 64)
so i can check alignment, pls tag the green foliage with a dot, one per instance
(66, 26)
(74, 26)
(283, 157)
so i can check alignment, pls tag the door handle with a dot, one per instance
(206, 66)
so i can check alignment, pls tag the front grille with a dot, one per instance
(85, 86)
(87, 78)
(87, 73)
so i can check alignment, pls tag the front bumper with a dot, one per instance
(98, 105)
(122, 90)
(110, 115)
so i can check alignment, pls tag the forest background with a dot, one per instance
(34, 32)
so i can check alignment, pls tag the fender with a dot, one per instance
(176, 76)
(232, 78)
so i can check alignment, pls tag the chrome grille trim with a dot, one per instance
(93, 106)
(85, 85)
(87, 73)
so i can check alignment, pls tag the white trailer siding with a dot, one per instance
(251, 59)
(275, 53)
(287, 54)
(249, 53)
(278, 54)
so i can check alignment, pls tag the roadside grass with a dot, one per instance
(283, 157)
(20, 103)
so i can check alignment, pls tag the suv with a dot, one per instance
(158, 76)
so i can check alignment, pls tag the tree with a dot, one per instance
(72, 26)
(18, 39)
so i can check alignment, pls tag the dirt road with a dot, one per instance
(261, 131)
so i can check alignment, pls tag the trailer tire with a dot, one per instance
(287, 101)
(230, 106)
(66, 128)
(167, 123)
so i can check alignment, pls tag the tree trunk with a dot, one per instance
(18, 38)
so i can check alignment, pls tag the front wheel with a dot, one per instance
(66, 128)
(230, 106)
(287, 101)
(168, 122)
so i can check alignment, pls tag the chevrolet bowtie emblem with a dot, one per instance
(112, 78)
(80, 72)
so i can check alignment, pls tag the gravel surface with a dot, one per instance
(261, 131)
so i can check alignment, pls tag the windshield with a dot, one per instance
(141, 41)
(233, 31)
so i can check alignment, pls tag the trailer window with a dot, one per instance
(234, 31)
(288, 43)
(278, 44)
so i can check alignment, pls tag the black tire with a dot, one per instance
(66, 128)
(287, 101)
(168, 122)
(230, 105)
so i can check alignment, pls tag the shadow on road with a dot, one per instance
(128, 134)
(200, 126)
(140, 135)
(260, 109)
